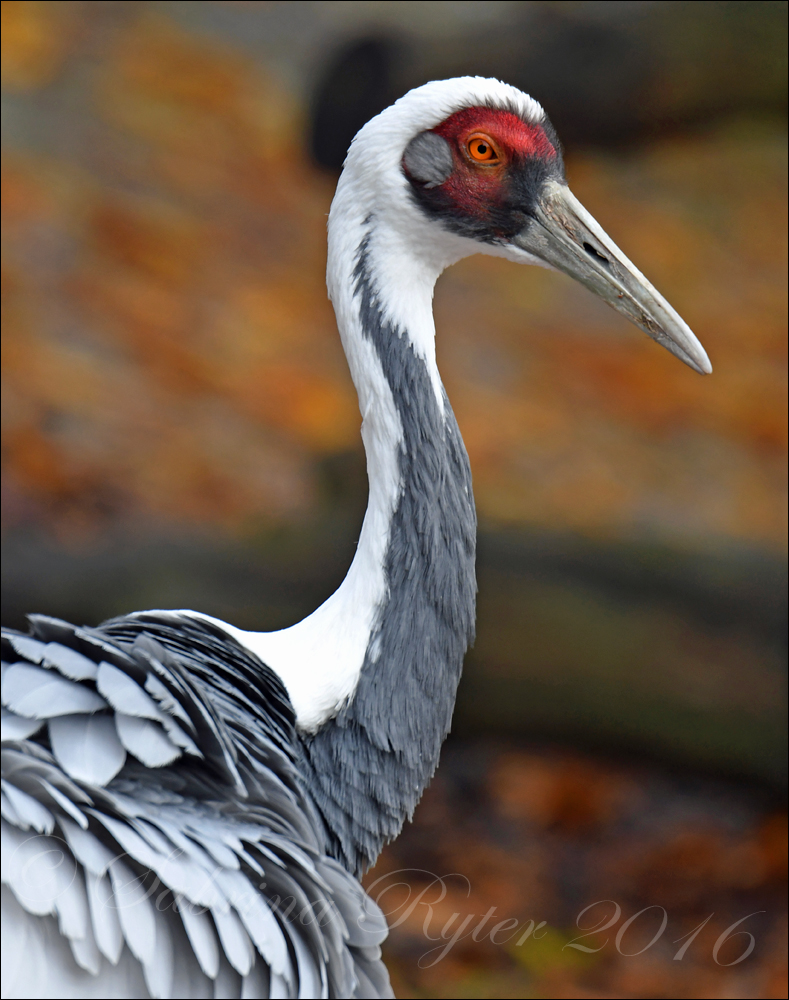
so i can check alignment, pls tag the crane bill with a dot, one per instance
(564, 235)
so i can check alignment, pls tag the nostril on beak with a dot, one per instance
(595, 253)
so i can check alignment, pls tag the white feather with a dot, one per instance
(320, 659)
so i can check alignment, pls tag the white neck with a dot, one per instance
(320, 659)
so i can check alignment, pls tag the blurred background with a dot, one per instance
(180, 430)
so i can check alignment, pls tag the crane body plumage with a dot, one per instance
(187, 806)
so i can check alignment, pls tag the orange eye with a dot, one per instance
(481, 149)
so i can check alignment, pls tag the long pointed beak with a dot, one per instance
(563, 234)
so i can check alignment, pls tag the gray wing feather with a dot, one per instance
(199, 713)
(178, 873)
(16, 727)
(33, 870)
(155, 837)
(85, 951)
(40, 694)
(177, 840)
(159, 972)
(146, 740)
(220, 852)
(29, 765)
(235, 940)
(135, 912)
(87, 747)
(169, 705)
(227, 985)
(8, 812)
(31, 649)
(202, 936)
(370, 982)
(72, 908)
(68, 662)
(172, 776)
(29, 811)
(257, 918)
(310, 985)
(255, 985)
(364, 921)
(94, 856)
(104, 917)
(279, 989)
(65, 803)
(125, 694)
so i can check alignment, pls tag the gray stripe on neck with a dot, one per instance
(372, 762)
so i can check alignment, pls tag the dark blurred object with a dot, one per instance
(607, 73)
(356, 86)
(592, 76)
(632, 647)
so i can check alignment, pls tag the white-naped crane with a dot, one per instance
(187, 806)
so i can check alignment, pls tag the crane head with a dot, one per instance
(480, 161)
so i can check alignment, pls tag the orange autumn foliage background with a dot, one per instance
(170, 350)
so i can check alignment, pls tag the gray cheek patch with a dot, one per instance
(428, 158)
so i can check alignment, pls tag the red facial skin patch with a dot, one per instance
(512, 135)
(473, 185)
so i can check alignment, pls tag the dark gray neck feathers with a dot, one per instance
(372, 762)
